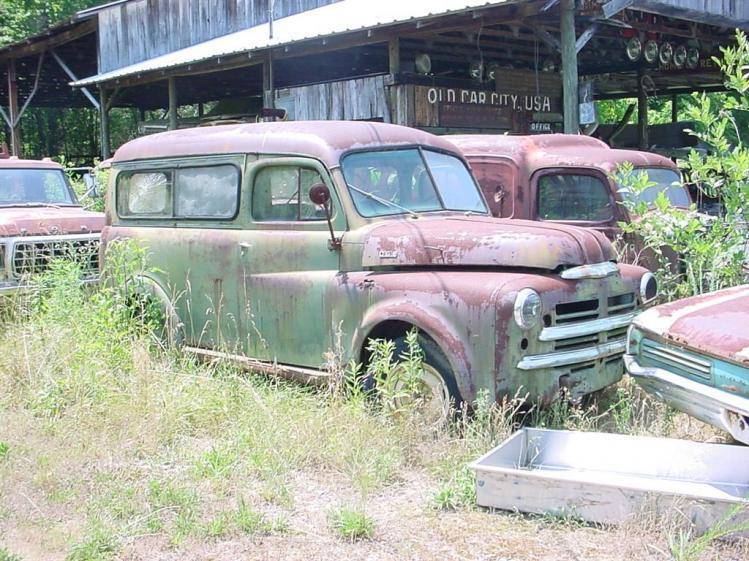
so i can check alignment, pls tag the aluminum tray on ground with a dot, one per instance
(608, 478)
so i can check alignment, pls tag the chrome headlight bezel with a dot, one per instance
(527, 300)
(647, 281)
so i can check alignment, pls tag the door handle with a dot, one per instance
(244, 247)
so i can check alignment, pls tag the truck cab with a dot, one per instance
(274, 243)
(564, 179)
(41, 220)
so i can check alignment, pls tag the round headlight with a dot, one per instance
(648, 288)
(527, 308)
(650, 51)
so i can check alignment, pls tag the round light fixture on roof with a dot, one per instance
(650, 51)
(423, 63)
(634, 49)
(476, 70)
(680, 56)
(693, 58)
(666, 53)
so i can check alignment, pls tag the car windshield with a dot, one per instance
(34, 187)
(410, 181)
(664, 180)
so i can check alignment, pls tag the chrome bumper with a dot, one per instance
(724, 410)
(558, 332)
(565, 358)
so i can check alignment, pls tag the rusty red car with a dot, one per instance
(694, 354)
(564, 178)
(41, 220)
(274, 243)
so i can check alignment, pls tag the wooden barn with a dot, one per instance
(441, 65)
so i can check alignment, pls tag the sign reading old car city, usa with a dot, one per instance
(521, 102)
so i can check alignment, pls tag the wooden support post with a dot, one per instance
(674, 108)
(15, 128)
(104, 120)
(394, 56)
(642, 112)
(172, 87)
(569, 68)
(269, 96)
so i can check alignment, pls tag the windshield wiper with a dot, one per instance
(383, 201)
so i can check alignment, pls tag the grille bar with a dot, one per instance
(676, 359)
(33, 255)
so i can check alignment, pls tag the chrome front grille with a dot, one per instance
(586, 323)
(674, 360)
(31, 256)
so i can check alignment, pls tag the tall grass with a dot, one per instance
(104, 430)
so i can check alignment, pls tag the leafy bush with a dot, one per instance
(711, 251)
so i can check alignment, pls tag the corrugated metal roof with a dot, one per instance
(333, 19)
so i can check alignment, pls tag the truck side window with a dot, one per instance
(207, 192)
(281, 193)
(144, 194)
(573, 197)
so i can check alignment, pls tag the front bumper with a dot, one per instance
(718, 408)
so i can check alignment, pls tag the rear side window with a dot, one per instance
(207, 192)
(573, 197)
(281, 194)
(147, 194)
(190, 192)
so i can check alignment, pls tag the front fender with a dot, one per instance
(459, 354)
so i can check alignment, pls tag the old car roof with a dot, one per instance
(324, 140)
(555, 150)
(9, 163)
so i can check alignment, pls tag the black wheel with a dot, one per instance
(436, 389)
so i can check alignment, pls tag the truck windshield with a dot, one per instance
(34, 187)
(411, 180)
(664, 180)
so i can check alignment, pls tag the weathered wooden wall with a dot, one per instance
(707, 11)
(358, 99)
(139, 30)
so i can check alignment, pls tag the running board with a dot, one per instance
(296, 373)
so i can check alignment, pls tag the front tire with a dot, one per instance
(436, 388)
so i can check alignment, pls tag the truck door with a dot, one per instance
(285, 261)
(498, 178)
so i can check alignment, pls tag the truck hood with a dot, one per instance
(481, 241)
(714, 324)
(44, 221)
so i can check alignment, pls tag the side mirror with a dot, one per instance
(319, 194)
(92, 186)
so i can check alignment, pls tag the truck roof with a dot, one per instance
(11, 163)
(324, 140)
(556, 150)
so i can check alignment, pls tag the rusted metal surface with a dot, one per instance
(323, 140)
(716, 324)
(476, 241)
(694, 354)
(278, 292)
(508, 169)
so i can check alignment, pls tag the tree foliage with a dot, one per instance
(712, 251)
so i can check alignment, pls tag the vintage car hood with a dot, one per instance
(43, 221)
(481, 241)
(715, 324)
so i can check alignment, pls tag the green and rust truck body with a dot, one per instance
(394, 235)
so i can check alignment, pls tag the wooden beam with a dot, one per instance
(172, 86)
(586, 36)
(15, 129)
(39, 45)
(674, 108)
(570, 81)
(104, 122)
(642, 111)
(73, 77)
(394, 56)
(269, 94)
